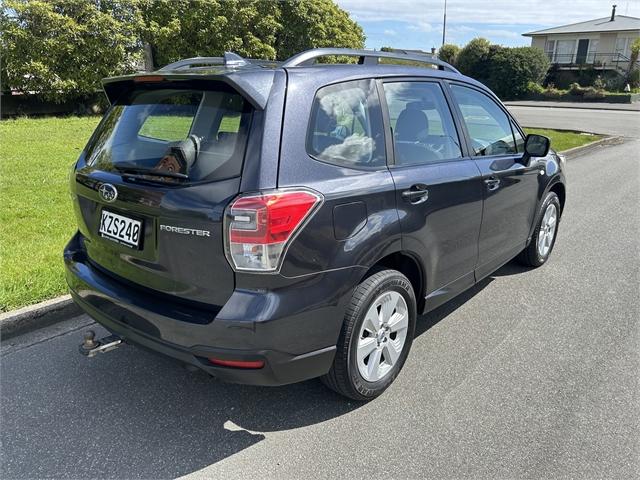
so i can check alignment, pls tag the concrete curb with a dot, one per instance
(37, 316)
(581, 150)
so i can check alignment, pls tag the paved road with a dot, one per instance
(609, 122)
(584, 105)
(530, 374)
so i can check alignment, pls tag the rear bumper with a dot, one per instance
(293, 330)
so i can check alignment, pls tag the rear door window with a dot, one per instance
(346, 125)
(200, 134)
(421, 122)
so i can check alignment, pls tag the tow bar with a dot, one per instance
(90, 347)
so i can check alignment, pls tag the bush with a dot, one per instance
(576, 89)
(614, 83)
(472, 58)
(552, 92)
(564, 78)
(599, 83)
(589, 93)
(535, 88)
(449, 53)
(511, 70)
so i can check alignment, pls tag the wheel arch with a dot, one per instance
(559, 189)
(407, 264)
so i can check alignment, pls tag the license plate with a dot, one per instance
(118, 228)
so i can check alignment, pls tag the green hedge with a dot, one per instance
(507, 71)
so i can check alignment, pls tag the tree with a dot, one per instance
(633, 76)
(635, 52)
(509, 71)
(473, 57)
(449, 53)
(315, 23)
(178, 29)
(63, 48)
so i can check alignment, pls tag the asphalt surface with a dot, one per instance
(584, 105)
(609, 122)
(531, 374)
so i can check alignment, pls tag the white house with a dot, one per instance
(604, 43)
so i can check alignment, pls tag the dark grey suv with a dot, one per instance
(270, 223)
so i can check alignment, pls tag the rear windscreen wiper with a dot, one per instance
(144, 172)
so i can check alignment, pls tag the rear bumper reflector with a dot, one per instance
(237, 363)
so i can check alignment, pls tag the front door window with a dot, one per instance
(487, 124)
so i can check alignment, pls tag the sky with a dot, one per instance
(417, 24)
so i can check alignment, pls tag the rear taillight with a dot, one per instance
(260, 227)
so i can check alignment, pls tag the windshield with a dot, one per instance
(187, 134)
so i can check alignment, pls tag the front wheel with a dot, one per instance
(376, 336)
(544, 236)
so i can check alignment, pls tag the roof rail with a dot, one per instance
(229, 59)
(366, 57)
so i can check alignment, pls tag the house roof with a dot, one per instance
(620, 23)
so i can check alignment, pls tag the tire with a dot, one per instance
(533, 255)
(391, 289)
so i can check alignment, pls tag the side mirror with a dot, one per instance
(536, 146)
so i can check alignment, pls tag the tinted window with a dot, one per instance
(346, 125)
(200, 133)
(488, 125)
(423, 129)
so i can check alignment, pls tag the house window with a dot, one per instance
(549, 49)
(623, 46)
(565, 50)
(593, 50)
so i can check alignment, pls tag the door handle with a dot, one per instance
(417, 194)
(492, 183)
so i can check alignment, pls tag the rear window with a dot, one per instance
(346, 125)
(199, 134)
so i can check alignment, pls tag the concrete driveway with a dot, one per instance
(531, 374)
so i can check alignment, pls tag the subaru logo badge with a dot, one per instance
(108, 192)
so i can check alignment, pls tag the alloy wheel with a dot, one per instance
(382, 336)
(547, 230)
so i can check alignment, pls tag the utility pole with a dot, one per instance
(444, 23)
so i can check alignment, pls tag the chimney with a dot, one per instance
(613, 13)
(433, 50)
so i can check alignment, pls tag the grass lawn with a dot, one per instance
(36, 217)
(561, 141)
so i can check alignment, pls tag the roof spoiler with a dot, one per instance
(254, 85)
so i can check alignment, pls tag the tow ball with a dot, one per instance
(90, 347)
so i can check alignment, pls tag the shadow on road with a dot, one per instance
(132, 414)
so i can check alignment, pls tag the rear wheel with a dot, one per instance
(376, 336)
(544, 236)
